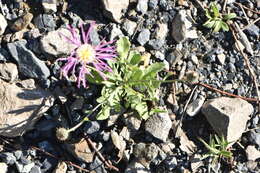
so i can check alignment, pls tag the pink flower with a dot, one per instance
(87, 57)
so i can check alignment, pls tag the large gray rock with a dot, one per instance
(3, 24)
(113, 9)
(29, 65)
(228, 116)
(21, 108)
(182, 27)
(55, 44)
(159, 126)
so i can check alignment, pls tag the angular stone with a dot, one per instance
(136, 167)
(181, 27)
(3, 24)
(21, 108)
(129, 27)
(29, 65)
(142, 6)
(161, 31)
(22, 22)
(228, 116)
(195, 106)
(55, 44)
(159, 125)
(49, 6)
(143, 37)
(81, 151)
(8, 71)
(145, 153)
(61, 168)
(252, 153)
(113, 9)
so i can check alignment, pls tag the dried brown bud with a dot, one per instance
(192, 76)
(62, 134)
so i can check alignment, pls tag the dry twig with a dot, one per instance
(67, 162)
(252, 73)
(257, 12)
(227, 93)
(106, 162)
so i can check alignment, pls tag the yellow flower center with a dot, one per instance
(86, 53)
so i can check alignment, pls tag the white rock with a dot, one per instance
(161, 31)
(129, 27)
(21, 108)
(8, 71)
(3, 167)
(61, 168)
(27, 168)
(195, 106)
(142, 6)
(49, 6)
(55, 44)
(252, 153)
(194, 59)
(182, 27)
(221, 58)
(113, 9)
(228, 116)
(115, 32)
(3, 24)
(136, 167)
(159, 125)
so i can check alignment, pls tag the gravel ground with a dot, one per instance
(36, 100)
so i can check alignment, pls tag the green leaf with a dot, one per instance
(209, 147)
(142, 109)
(123, 46)
(134, 57)
(209, 24)
(103, 113)
(95, 78)
(136, 74)
(153, 69)
(207, 13)
(156, 110)
(215, 10)
(217, 26)
(224, 26)
(229, 16)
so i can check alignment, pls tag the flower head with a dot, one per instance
(87, 56)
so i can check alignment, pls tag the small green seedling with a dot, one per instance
(129, 86)
(218, 148)
(216, 20)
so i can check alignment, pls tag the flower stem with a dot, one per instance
(84, 119)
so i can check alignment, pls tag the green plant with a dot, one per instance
(218, 147)
(216, 20)
(129, 85)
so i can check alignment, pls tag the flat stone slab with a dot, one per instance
(20, 108)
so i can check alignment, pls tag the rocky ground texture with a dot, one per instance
(35, 101)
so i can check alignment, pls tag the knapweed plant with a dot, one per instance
(218, 148)
(129, 85)
(216, 20)
(87, 58)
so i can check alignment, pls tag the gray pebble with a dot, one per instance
(143, 37)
